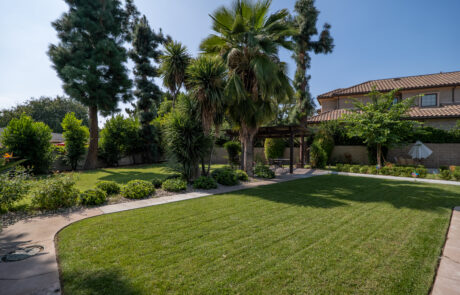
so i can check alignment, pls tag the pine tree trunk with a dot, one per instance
(91, 158)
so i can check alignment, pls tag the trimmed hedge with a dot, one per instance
(242, 175)
(137, 189)
(174, 185)
(110, 187)
(405, 171)
(93, 197)
(263, 171)
(225, 176)
(204, 182)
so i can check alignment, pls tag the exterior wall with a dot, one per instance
(329, 104)
(444, 94)
(347, 102)
(444, 154)
(445, 124)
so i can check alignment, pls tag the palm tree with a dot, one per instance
(206, 83)
(173, 66)
(248, 39)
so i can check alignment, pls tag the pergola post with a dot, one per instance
(291, 151)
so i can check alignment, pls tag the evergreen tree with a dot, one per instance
(76, 137)
(90, 59)
(145, 50)
(304, 24)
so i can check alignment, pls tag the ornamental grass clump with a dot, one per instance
(174, 185)
(55, 192)
(109, 187)
(137, 189)
(93, 197)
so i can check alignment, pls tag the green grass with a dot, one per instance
(323, 235)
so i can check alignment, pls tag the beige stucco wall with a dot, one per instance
(445, 124)
(344, 102)
(357, 153)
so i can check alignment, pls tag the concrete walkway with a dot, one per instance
(39, 274)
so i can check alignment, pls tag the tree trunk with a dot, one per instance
(302, 151)
(91, 158)
(379, 155)
(248, 152)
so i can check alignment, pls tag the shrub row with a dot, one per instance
(406, 171)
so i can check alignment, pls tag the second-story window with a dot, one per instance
(429, 100)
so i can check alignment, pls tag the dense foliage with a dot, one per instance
(90, 59)
(120, 137)
(263, 171)
(55, 192)
(110, 187)
(93, 197)
(380, 121)
(174, 185)
(29, 140)
(13, 187)
(394, 170)
(205, 182)
(242, 175)
(137, 189)
(225, 176)
(318, 156)
(233, 149)
(157, 182)
(50, 111)
(274, 148)
(76, 137)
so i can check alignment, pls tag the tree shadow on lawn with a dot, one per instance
(333, 191)
(96, 282)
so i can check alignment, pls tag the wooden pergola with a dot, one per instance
(286, 131)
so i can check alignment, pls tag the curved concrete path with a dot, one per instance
(39, 274)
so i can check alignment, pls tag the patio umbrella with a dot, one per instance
(420, 151)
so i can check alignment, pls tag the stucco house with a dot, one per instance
(437, 102)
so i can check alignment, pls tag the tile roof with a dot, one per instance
(447, 111)
(403, 83)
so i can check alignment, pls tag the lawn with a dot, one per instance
(322, 235)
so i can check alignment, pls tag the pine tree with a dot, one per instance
(305, 26)
(90, 59)
(145, 44)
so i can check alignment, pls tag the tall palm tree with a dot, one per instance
(248, 39)
(173, 66)
(206, 82)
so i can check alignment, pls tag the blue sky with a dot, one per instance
(374, 39)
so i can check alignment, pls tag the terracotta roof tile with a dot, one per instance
(403, 83)
(448, 111)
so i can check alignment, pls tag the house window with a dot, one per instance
(429, 100)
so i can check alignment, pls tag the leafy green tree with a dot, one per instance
(29, 140)
(174, 63)
(120, 137)
(145, 50)
(50, 111)
(304, 23)
(274, 148)
(90, 59)
(379, 122)
(248, 39)
(76, 137)
(206, 83)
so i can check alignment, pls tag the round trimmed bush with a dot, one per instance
(422, 172)
(456, 175)
(157, 182)
(346, 168)
(55, 192)
(137, 189)
(225, 176)
(174, 185)
(364, 170)
(339, 167)
(93, 197)
(355, 169)
(109, 187)
(445, 174)
(204, 182)
(373, 170)
(242, 175)
(263, 171)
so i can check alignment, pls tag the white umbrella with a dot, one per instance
(420, 151)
